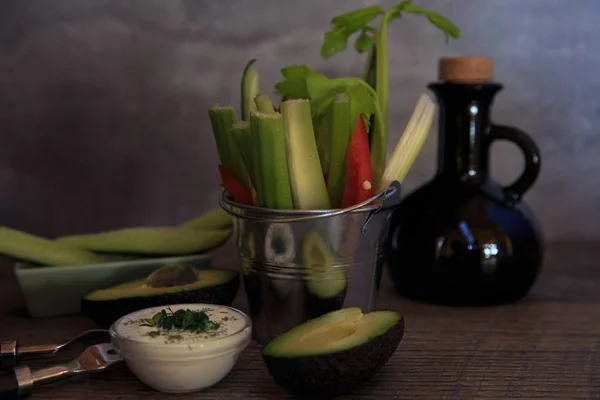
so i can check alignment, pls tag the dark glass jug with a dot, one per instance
(461, 239)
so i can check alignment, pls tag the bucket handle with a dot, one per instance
(389, 192)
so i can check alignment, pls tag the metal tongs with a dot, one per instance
(22, 379)
(11, 352)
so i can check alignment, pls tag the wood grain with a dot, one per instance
(545, 347)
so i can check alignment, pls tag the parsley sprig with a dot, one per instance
(194, 321)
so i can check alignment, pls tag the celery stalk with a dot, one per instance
(263, 102)
(222, 119)
(240, 133)
(321, 126)
(369, 74)
(268, 141)
(306, 177)
(341, 132)
(410, 142)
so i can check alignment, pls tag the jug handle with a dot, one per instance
(530, 152)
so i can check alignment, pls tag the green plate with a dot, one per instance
(57, 291)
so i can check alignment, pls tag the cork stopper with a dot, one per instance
(466, 69)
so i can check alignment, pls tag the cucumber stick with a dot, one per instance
(306, 177)
(340, 132)
(28, 247)
(270, 161)
(250, 89)
(264, 104)
(215, 218)
(149, 240)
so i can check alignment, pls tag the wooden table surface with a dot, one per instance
(547, 346)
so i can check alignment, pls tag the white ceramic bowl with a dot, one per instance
(180, 362)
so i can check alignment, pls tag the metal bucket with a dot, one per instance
(299, 264)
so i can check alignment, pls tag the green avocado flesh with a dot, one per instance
(334, 353)
(325, 277)
(214, 286)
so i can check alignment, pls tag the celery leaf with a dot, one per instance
(444, 24)
(306, 83)
(345, 25)
(294, 85)
(365, 41)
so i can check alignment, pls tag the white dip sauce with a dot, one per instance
(132, 326)
(179, 360)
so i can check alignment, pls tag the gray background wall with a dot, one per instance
(103, 104)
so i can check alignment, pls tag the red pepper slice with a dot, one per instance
(239, 193)
(359, 174)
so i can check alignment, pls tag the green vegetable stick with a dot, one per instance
(222, 120)
(28, 247)
(306, 177)
(250, 88)
(264, 104)
(215, 218)
(321, 126)
(410, 142)
(341, 132)
(336, 39)
(268, 138)
(149, 240)
(240, 133)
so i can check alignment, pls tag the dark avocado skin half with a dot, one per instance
(317, 306)
(105, 312)
(337, 373)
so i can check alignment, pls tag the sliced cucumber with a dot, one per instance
(250, 89)
(28, 247)
(149, 240)
(215, 218)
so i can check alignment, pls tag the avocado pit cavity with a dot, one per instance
(172, 275)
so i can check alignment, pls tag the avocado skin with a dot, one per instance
(337, 373)
(317, 306)
(105, 313)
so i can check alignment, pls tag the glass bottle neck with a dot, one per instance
(463, 127)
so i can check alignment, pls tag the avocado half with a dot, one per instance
(326, 280)
(333, 354)
(167, 285)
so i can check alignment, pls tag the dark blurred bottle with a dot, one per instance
(461, 239)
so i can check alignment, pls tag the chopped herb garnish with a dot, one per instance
(194, 321)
